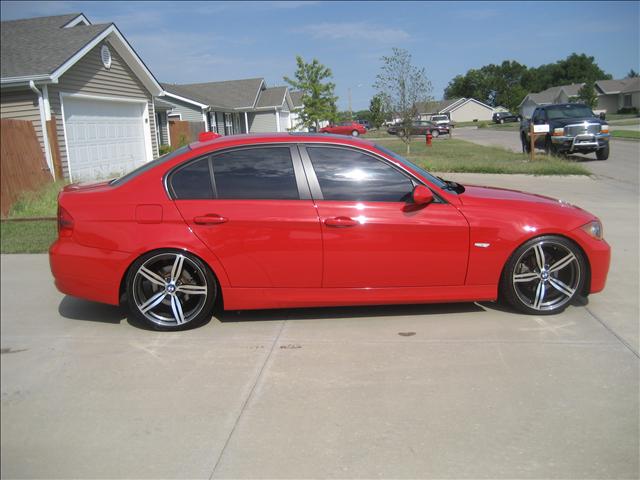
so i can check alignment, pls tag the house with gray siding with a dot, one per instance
(89, 81)
(230, 107)
(613, 95)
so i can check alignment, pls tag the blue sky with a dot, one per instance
(187, 42)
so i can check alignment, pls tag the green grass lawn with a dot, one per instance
(626, 134)
(40, 203)
(27, 236)
(453, 155)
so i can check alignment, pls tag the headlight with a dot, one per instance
(594, 229)
(558, 132)
(604, 129)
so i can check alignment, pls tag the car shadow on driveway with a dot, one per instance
(319, 313)
(78, 309)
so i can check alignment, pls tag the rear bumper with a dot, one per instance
(90, 273)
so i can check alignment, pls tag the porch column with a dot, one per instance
(246, 122)
(277, 121)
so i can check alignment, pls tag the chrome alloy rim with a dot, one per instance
(546, 276)
(169, 289)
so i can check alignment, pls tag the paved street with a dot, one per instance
(422, 391)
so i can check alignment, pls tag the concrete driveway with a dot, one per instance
(423, 391)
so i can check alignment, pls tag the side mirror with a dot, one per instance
(603, 116)
(422, 195)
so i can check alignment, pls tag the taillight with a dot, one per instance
(65, 223)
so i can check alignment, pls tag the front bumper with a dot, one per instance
(599, 257)
(581, 142)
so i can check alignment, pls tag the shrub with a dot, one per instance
(164, 149)
(633, 110)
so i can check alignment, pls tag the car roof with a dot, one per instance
(286, 137)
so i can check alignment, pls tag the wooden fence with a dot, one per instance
(183, 132)
(22, 162)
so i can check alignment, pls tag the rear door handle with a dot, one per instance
(340, 222)
(211, 219)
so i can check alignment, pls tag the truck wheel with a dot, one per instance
(502, 120)
(526, 148)
(548, 150)
(603, 153)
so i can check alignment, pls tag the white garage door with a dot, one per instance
(104, 138)
(284, 121)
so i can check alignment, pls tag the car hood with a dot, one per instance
(561, 122)
(486, 196)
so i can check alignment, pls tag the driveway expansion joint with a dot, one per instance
(612, 332)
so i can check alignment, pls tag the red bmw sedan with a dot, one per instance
(300, 220)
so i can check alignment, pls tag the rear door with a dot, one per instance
(252, 207)
(373, 235)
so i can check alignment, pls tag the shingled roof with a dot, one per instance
(39, 46)
(232, 94)
(271, 97)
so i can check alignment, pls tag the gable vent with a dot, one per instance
(105, 55)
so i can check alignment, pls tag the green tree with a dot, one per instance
(587, 95)
(401, 86)
(632, 74)
(376, 111)
(318, 98)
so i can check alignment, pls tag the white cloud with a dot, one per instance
(353, 31)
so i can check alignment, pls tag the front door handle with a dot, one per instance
(340, 222)
(211, 219)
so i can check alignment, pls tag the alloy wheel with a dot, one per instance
(170, 289)
(547, 275)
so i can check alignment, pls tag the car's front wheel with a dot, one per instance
(355, 133)
(435, 133)
(544, 275)
(171, 290)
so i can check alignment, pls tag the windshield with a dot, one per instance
(148, 166)
(433, 179)
(569, 111)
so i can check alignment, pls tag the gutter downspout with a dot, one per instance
(43, 122)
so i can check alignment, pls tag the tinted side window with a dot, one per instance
(350, 175)
(255, 173)
(193, 181)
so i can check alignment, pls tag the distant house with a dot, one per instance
(458, 110)
(294, 116)
(561, 94)
(613, 95)
(230, 107)
(90, 80)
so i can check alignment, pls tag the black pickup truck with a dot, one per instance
(573, 128)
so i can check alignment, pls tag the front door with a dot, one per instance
(373, 235)
(249, 207)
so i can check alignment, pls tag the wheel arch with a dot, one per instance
(587, 280)
(215, 272)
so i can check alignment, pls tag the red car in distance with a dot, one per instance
(345, 128)
(301, 220)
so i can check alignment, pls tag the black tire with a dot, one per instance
(547, 145)
(355, 133)
(547, 290)
(171, 290)
(603, 153)
(435, 133)
(502, 120)
(526, 146)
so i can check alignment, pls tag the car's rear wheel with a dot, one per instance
(435, 133)
(355, 133)
(171, 290)
(603, 153)
(544, 275)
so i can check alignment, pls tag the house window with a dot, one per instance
(228, 124)
(626, 101)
